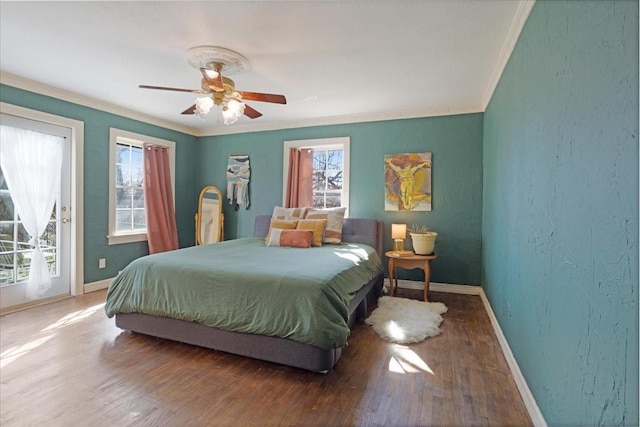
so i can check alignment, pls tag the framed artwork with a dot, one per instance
(407, 182)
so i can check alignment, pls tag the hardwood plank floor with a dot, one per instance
(66, 364)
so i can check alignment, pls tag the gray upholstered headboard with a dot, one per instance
(356, 230)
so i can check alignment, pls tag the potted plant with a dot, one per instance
(423, 239)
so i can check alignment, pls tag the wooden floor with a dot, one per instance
(66, 364)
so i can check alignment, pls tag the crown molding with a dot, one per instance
(519, 19)
(75, 98)
(47, 90)
(340, 120)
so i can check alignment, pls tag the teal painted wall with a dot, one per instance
(96, 178)
(455, 141)
(560, 209)
(456, 144)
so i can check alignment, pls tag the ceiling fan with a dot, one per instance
(218, 89)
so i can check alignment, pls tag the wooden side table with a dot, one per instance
(408, 260)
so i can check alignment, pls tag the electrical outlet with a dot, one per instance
(102, 263)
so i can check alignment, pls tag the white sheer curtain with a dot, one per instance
(31, 163)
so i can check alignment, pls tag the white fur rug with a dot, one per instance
(404, 321)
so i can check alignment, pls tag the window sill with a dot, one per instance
(127, 238)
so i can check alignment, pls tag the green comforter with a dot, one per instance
(242, 285)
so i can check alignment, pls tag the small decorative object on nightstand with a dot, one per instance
(423, 239)
(398, 234)
(409, 260)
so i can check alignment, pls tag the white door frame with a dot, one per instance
(76, 274)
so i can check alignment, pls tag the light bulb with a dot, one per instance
(236, 106)
(203, 105)
(211, 74)
(229, 116)
(232, 109)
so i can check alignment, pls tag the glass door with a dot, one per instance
(15, 250)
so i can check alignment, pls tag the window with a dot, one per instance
(327, 178)
(127, 218)
(130, 217)
(330, 170)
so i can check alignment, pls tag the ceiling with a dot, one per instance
(335, 61)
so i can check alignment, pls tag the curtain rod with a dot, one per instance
(154, 146)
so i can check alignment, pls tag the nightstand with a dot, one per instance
(408, 260)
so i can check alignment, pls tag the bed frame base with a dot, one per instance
(272, 349)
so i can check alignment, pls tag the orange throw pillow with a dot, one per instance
(283, 224)
(291, 238)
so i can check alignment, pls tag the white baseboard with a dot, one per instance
(532, 407)
(97, 286)
(527, 397)
(441, 287)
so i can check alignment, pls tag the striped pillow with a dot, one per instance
(288, 213)
(335, 219)
(282, 224)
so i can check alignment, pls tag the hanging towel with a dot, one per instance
(238, 175)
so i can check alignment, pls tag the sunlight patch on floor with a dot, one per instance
(72, 318)
(18, 351)
(14, 353)
(406, 361)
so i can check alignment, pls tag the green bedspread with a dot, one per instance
(242, 285)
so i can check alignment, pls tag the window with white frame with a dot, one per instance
(127, 218)
(330, 170)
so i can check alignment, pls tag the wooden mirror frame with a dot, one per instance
(219, 233)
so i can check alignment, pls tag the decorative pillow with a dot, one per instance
(292, 238)
(335, 219)
(315, 225)
(283, 224)
(288, 213)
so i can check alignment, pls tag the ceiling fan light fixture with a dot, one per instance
(236, 106)
(229, 117)
(213, 62)
(211, 74)
(232, 110)
(203, 105)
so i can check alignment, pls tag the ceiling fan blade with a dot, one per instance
(172, 88)
(215, 81)
(190, 110)
(264, 97)
(251, 112)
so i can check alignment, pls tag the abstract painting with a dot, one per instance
(407, 181)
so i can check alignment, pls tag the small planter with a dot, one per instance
(423, 243)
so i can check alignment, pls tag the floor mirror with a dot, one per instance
(209, 219)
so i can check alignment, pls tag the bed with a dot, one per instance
(187, 296)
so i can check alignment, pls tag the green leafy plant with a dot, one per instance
(418, 229)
